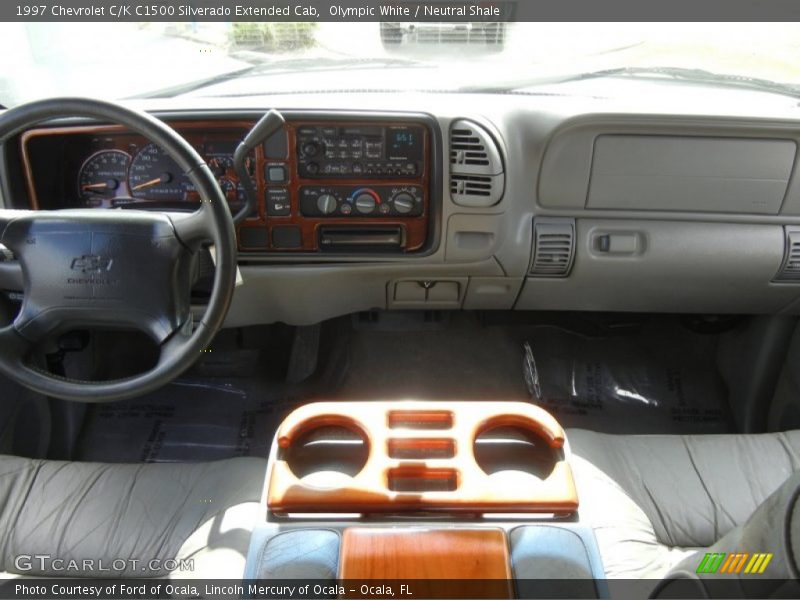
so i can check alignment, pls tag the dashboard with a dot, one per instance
(322, 185)
(670, 203)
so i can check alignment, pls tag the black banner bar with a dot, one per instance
(397, 10)
(418, 589)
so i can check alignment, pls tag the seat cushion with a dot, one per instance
(654, 499)
(202, 512)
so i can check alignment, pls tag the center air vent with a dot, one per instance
(553, 247)
(476, 168)
(790, 269)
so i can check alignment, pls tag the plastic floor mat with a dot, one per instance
(187, 421)
(662, 379)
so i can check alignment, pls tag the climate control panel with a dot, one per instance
(361, 201)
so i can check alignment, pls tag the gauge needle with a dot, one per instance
(164, 178)
(111, 184)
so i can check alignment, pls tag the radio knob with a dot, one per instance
(403, 202)
(310, 148)
(312, 168)
(365, 203)
(326, 204)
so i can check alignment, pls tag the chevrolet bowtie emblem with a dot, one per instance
(91, 263)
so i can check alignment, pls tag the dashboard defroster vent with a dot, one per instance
(476, 168)
(553, 247)
(790, 268)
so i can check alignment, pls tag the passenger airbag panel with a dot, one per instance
(699, 174)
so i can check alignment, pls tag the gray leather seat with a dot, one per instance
(653, 500)
(71, 511)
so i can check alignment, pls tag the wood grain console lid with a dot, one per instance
(416, 553)
(421, 456)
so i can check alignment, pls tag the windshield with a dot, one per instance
(125, 60)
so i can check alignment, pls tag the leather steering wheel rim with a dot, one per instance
(212, 222)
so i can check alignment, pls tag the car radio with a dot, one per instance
(360, 151)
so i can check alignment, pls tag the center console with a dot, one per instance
(355, 184)
(449, 499)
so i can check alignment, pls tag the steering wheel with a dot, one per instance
(113, 268)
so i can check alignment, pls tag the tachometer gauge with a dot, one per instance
(103, 176)
(154, 175)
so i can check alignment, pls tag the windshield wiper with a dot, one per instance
(185, 88)
(262, 66)
(676, 73)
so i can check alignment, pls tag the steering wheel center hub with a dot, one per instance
(122, 269)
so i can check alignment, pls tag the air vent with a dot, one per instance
(476, 168)
(553, 247)
(790, 269)
(470, 185)
(466, 148)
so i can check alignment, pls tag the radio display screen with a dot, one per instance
(404, 144)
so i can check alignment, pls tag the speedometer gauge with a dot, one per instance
(103, 176)
(154, 175)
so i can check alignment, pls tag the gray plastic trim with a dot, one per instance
(680, 267)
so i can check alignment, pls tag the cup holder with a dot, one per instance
(394, 456)
(514, 452)
(327, 456)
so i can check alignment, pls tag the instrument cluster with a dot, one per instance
(116, 178)
(112, 168)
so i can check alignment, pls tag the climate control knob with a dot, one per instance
(403, 202)
(326, 204)
(365, 202)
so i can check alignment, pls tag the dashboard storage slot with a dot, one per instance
(364, 237)
(420, 419)
(430, 293)
(287, 236)
(399, 456)
(421, 448)
(415, 479)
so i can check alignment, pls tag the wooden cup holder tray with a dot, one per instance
(358, 457)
